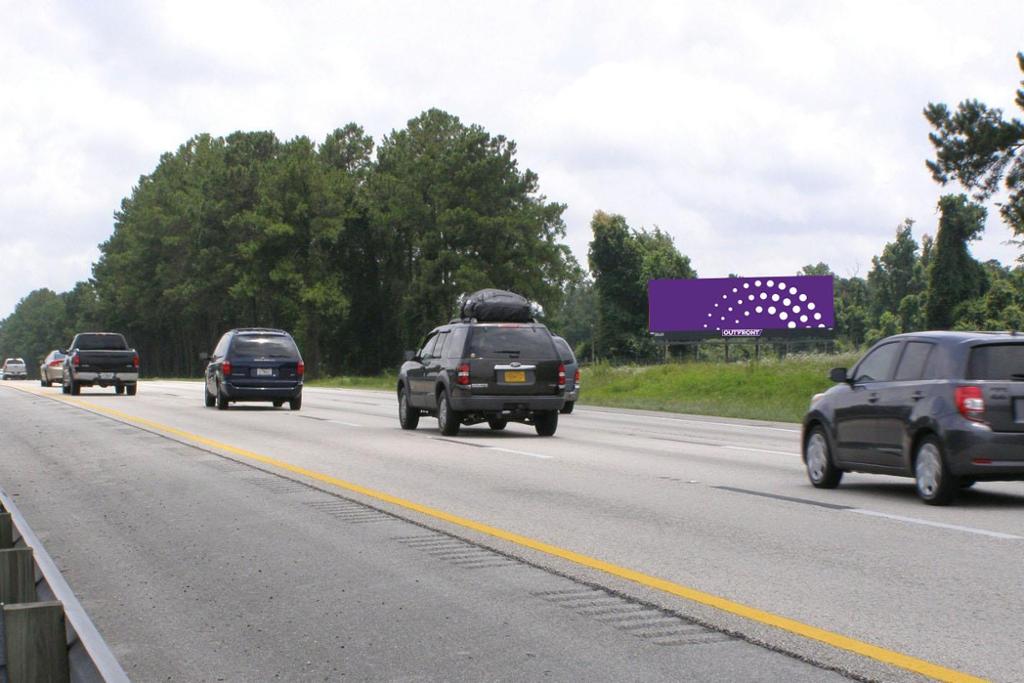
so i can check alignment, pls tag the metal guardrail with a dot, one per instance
(89, 659)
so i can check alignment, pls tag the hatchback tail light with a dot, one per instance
(970, 402)
(300, 368)
(75, 360)
(135, 361)
(463, 376)
(576, 377)
(225, 367)
(561, 374)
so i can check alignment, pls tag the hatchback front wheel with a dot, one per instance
(936, 485)
(818, 459)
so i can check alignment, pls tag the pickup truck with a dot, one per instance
(100, 359)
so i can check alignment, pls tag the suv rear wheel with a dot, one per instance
(408, 417)
(818, 460)
(447, 419)
(295, 403)
(936, 485)
(546, 423)
(221, 399)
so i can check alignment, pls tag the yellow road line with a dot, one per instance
(880, 654)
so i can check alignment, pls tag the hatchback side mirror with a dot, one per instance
(838, 375)
(410, 355)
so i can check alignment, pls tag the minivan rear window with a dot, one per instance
(512, 342)
(257, 346)
(1003, 362)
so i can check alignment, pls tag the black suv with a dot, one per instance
(255, 364)
(469, 372)
(946, 408)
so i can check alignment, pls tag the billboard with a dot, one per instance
(741, 306)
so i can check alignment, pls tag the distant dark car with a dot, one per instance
(52, 368)
(946, 408)
(101, 359)
(469, 372)
(572, 374)
(255, 364)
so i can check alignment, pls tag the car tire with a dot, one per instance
(935, 484)
(208, 399)
(76, 388)
(221, 400)
(821, 471)
(567, 408)
(497, 423)
(295, 403)
(64, 388)
(43, 383)
(408, 417)
(447, 419)
(278, 403)
(546, 423)
(131, 389)
(119, 389)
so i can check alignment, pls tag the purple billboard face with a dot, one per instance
(741, 306)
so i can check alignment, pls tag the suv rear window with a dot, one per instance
(512, 342)
(264, 346)
(996, 361)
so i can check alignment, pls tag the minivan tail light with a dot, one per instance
(463, 376)
(225, 367)
(135, 361)
(300, 368)
(970, 402)
(561, 374)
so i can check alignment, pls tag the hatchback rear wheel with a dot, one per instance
(818, 460)
(936, 485)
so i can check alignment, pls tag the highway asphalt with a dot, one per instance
(327, 544)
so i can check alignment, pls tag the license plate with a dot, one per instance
(515, 376)
(106, 375)
(264, 372)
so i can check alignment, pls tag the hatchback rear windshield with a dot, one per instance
(102, 342)
(512, 342)
(275, 346)
(1003, 362)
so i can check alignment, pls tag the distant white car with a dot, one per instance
(13, 368)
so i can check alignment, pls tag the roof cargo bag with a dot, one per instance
(496, 306)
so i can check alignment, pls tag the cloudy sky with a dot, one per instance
(763, 136)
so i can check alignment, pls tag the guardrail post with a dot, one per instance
(6, 530)
(36, 645)
(17, 576)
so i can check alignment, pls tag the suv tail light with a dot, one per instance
(576, 377)
(561, 374)
(463, 376)
(75, 360)
(970, 402)
(225, 368)
(300, 368)
(135, 361)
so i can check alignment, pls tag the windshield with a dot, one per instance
(101, 342)
(264, 346)
(512, 341)
(1003, 362)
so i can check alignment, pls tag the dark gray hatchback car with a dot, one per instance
(946, 408)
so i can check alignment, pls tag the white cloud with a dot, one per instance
(763, 137)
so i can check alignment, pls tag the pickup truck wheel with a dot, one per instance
(278, 404)
(295, 403)
(64, 388)
(497, 424)
(208, 398)
(408, 417)
(76, 388)
(447, 419)
(222, 400)
(119, 389)
(546, 423)
(567, 408)
(131, 389)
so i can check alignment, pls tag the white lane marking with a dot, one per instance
(760, 450)
(696, 422)
(347, 424)
(511, 450)
(939, 525)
